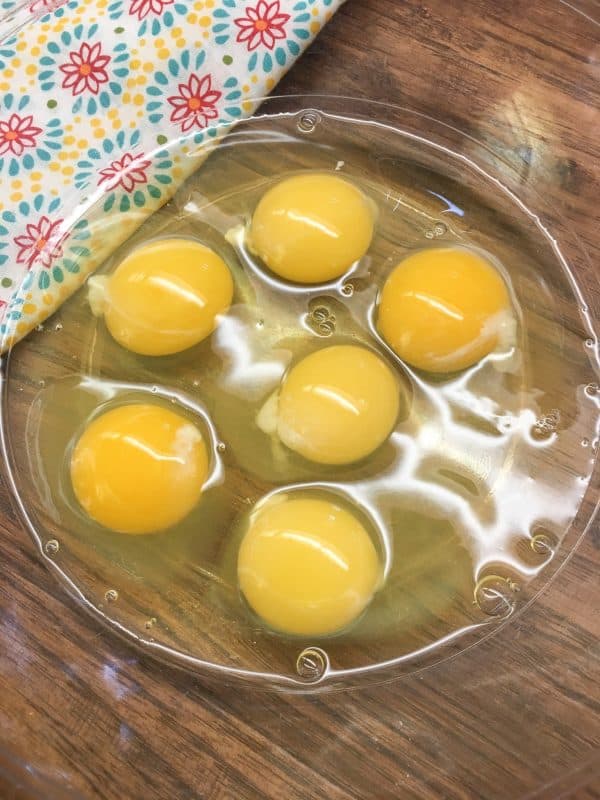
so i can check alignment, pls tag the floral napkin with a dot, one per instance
(91, 92)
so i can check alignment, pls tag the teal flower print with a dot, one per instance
(44, 245)
(199, 106)
(39, 237)
(154, 15)
(271, 37)
(122, 174)
(84, 65)
(25, 142)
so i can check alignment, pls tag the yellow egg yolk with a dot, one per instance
(311, 228)
(444, 309)
(139, 468)
(165, 296)
(336, 406)
(307, 566)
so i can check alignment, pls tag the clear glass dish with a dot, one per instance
(432, 184)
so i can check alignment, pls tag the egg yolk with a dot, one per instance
(311, 228)
(444, 309)
(139, 468)
(164, 297)
(335, 406)
(307, 566)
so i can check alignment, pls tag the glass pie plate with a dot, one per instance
(513, 445)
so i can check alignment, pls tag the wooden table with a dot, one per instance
(93, 719)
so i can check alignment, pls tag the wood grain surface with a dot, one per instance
(82, 715)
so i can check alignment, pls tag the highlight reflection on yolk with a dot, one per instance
(164, 297)
(307, 566)
(139, 468)
(337, 405)
(444, 309)
(311, 228)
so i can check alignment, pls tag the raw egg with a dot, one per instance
(307, 566)
(164, 297)
(444, 309)
(139, 468)
(311, 228)
(335, 406)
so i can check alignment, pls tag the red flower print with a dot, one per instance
(17, 134)
(41, 241)
(126, 172)
(85, 70)
(263, 24)
(39, 6)
(195, 103)
(142, 8)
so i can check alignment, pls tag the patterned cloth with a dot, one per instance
(91, 92)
